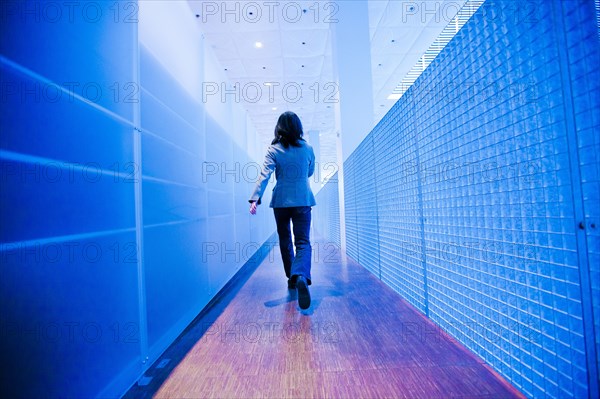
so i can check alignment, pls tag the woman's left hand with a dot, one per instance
(253, 208)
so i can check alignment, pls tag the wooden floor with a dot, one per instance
(359, 339)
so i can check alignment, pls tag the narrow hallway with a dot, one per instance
(448, 151)
(358, 339)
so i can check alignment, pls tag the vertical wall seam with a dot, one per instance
(204, 154)
(139, 219)
(355, 205)
(421, 217)
(375, 190)
(578, 205)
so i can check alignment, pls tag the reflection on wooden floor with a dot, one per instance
(358, 339)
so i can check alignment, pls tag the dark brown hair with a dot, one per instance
(288, 130)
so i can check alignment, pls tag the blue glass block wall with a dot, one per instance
(486, 194)
(399, 204)
(350, 177)
(326, 217)
(365, 203)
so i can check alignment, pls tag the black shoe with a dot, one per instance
(291, 286)
(303, 293)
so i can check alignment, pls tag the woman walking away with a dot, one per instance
(293, 161)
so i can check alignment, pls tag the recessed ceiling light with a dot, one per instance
(268, 84)
(274, 108)
(258, 44)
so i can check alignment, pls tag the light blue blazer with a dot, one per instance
(293, 166)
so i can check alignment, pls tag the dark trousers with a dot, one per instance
(298, 264)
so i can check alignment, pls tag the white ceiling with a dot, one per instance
(296, 53)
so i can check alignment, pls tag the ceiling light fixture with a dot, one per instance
(274, 108)
(258, 44)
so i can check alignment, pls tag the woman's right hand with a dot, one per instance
(253, 208)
